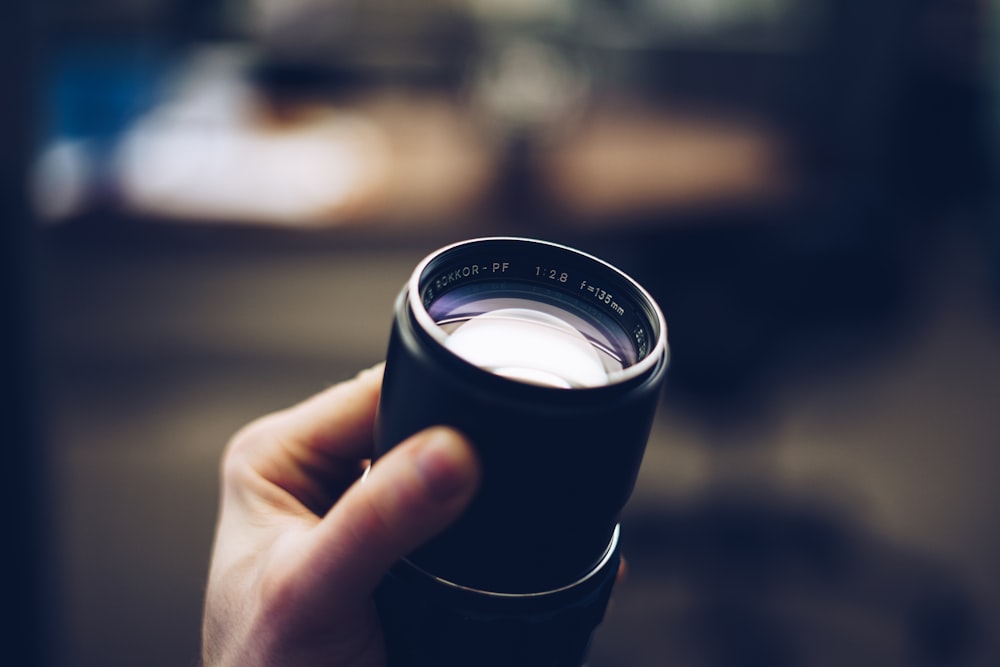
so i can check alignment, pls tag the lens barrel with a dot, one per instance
(522, 578)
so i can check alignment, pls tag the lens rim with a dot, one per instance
(656, 354)
(598, 567)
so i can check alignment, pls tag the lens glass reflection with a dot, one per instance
(532, 335)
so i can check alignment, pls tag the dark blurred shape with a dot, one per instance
(743, 294)
(876, 139)
(780, 582)
(990, 231)
(26, 632)
(941, 145)
(340, 45)
(944, 627)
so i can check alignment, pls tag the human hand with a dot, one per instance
(301, 543)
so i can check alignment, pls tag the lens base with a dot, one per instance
(428, 621)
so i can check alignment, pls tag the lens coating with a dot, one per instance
(531, 334)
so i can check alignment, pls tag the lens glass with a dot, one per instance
(532, 334)
(538, 313)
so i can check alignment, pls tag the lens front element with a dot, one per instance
(530, 346)
(537, 313)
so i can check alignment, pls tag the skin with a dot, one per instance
(301, 542)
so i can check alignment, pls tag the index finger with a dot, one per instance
(317, 444)
(337, 422)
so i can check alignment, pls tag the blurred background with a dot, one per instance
(209, 207)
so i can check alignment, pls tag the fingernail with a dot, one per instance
(444, 464)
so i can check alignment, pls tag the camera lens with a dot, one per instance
(550, 361)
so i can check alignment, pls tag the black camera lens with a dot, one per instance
(550, 361)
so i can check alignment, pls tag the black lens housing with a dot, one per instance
(558, 464)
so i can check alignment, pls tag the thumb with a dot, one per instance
(409, 495)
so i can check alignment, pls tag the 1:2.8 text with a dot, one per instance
(552, 274)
